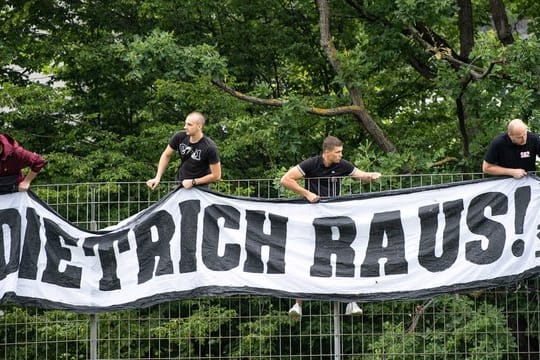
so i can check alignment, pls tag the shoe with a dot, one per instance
(295, 312)
(353, 309)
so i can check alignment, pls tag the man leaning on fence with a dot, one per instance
(512, 153)
(323, 174)
(13, 159)
(200, 164)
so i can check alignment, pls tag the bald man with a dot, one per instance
(200, 164)
(512, 153)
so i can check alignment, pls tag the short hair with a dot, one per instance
(516, 124)
(197, 116)
(331, 142)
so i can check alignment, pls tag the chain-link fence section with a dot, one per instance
(492, 324)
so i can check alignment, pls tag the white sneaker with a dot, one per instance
(295, 312)
(353, 309)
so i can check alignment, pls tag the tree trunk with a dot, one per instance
(466, 41)
(500, 20)
(466, 30)
(462, 117)
(363, 117)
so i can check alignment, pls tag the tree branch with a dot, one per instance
(419, 311)
(363, 117)
(476, 72)
(248, 98)
(340, 110)
(480, 76)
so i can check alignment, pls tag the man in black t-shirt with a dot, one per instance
(200, 157)
(323, 173)
(512, 153)
(322, 178)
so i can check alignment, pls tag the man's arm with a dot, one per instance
(215, 175)
(162, 166)
(25, 184)
(31, 160)
(289, 180)
(497, 170)
(365, 176)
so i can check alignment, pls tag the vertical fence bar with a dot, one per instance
(337, 332)
(93, 336)
(93, 317)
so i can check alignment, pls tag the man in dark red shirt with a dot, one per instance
(13, 159)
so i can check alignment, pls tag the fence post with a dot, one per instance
(93, 336)
(337, 329)
(93, 317)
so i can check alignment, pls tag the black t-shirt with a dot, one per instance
(321, 180)
(503, 152)
(196, 157)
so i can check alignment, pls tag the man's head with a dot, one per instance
(332, 149)
(517, 131)
(194, 123)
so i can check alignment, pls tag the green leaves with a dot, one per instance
(131, 66)
(159, 56)
(471, 332)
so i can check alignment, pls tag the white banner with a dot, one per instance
(403, 244)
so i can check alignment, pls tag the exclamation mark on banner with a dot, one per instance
(522, 198)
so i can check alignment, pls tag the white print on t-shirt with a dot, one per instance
(196, 155)
(185, 149)
(525, 154)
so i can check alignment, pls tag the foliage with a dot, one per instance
(99, 87)
(468, 326)
(54, 327)
(475, 333)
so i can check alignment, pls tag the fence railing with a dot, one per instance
(491, 324)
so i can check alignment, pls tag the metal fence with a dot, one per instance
(491, 324)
